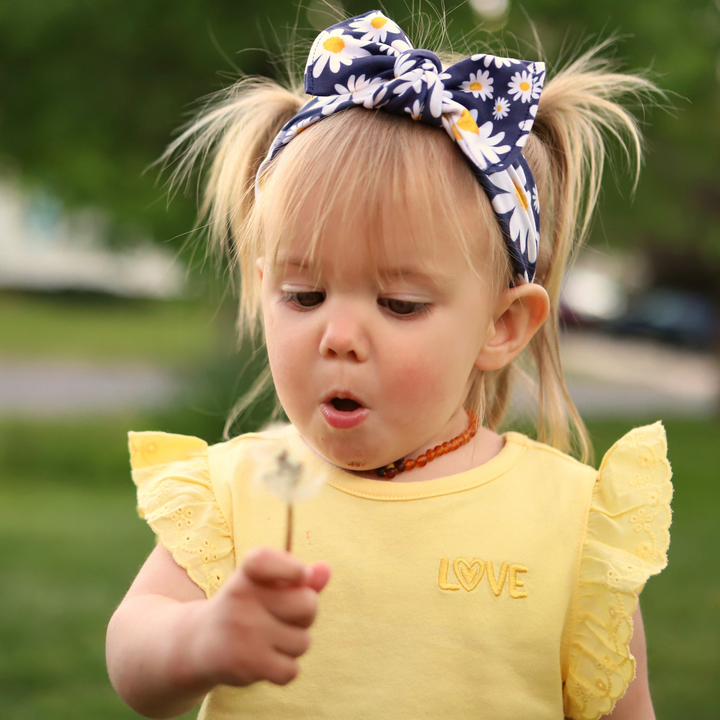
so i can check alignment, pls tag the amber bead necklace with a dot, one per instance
(390, 471)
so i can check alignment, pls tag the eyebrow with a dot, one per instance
(389, 272)
(294, 262)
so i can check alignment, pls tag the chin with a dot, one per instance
(346, 455)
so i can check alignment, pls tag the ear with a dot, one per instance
(519, 313)
(260, 265)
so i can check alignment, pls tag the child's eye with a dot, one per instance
(404, 307)
(305, 299)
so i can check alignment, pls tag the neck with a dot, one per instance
(482, 448)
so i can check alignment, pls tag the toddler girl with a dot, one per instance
(402, 234)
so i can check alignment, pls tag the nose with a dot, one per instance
(345, 337)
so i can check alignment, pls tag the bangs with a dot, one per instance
(375, 175)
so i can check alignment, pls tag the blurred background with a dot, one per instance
(110, 320)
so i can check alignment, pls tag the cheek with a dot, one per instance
(284, 350)
(419, 376)
(290, 351)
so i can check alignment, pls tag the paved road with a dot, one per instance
(606, 376)
(626, 376)
(55, 388)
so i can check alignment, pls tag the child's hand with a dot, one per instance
(257, 624)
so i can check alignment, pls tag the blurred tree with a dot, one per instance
(91, 92)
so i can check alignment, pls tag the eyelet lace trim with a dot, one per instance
(626, 542)
(176, 498)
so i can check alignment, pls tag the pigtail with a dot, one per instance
(233, 134)
(579, 112)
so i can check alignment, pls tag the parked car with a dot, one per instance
(675, 316)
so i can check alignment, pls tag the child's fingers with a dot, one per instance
(292, 641)
(319, 576)
(293, 605)
(266, 566)
(279, 668)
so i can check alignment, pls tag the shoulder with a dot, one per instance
(545, 460)
(148, 449)
(246, 446)
(152, 448)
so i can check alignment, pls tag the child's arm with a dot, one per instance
(168, 646)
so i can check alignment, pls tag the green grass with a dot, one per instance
(96, 328)
(70, 544)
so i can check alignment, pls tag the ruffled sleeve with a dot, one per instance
(626, 542)
(176, 498)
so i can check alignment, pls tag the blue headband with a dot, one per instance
(486, 104)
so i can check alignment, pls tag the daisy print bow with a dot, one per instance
(486, 104)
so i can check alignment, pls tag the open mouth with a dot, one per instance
(345, 404)
(343, 412)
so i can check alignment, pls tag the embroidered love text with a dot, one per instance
(469, 573)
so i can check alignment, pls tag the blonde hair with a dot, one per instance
(391, 161)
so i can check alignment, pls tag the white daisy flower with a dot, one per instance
(376, 27)
(478, 143)
(499, 62)
(447, 94)
(360, 90)
(515, 199)
(398, 47)
(501, 108)
(330, 103)
(479, 84)
(488, 144)
(414, 77)
(406, 66)
(536, 199)
(335, 49)
(525, 127)
(523, 87)
(414, 110)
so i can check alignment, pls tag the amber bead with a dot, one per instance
(390, 471)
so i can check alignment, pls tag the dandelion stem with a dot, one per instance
(288, 538)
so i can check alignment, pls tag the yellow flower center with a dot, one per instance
(524, 86)
(476, 86)
(521, 196)
(378, 22)
(334, 44)
(499, 107)
(467, 123)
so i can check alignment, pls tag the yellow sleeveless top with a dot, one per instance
(503, 592)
